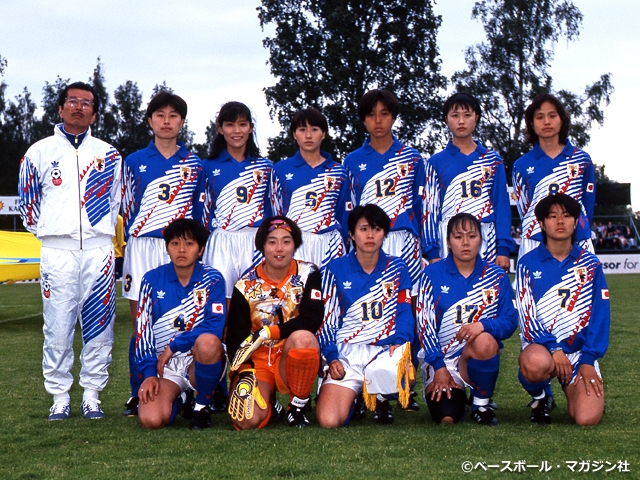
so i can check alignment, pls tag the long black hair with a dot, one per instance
(230, 112)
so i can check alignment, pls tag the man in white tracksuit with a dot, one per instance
(70, 191)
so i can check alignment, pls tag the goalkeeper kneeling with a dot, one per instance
(275, 310)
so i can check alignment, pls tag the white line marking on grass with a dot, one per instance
(21, 318)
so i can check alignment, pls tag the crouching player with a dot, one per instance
(180, 320)
(368, 324)
(276, 309)
(563, 305)
(465, 308)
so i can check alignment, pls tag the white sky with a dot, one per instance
(211, 52)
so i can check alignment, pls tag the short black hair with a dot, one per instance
(79, 86)
(530, 135)
(267, 225)
(185, 228)
(460, 220)
(568, 204)
(164, 99)
(461, 100)
(310, 116)
(375, 216)
(372, 97)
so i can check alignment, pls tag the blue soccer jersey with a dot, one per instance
(175, 316)
(564, 304)
(236, 194)
(394, 181)
(363, 308)
(474, 184)
(158, 190)
(447, 300)
(536, 176)
(317, 198)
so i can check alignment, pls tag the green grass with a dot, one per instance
(413, 447)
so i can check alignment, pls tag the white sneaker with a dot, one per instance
(60, 411)
(91, 409)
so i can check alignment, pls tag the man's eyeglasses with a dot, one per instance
(73, 102)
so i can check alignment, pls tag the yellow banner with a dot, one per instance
(19, 257)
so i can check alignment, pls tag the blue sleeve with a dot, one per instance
(215, 313)
(331, 321)
(343, 210)
(405, 322)
(268, 209)
(276, 193)
(429, 323)
(502, 207)
(419, 202)
(431, 233)
(198, 197)
(145, 355)
(589, 192)
(597, 340)
(504, 324)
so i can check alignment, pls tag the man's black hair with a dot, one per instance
(79, 86)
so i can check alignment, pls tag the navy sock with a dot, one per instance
(223, 385)
(534, 389)
(135, 376)
(483, 375)
(175, 406)
(547, 390)
(207, 378)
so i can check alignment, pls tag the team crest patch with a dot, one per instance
(99, 164)
(46, 286)
(581, 275)
(486, 173)
(200, 297)
(258, 176)
(388, 289)
(56, 174)
(329, 182)
(488, 296)
(185, 173)
(403, 170)
(573, 169)
(296, 294)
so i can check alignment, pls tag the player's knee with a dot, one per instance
(330, 420)
(587, 419)
(302, 339)
(483, 347)
(151, 420)
(207, 348)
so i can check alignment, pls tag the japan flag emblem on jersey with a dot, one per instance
(99, 164)
(486, 173)
(605, 293)
(185, 173)
(217, 308)
(200, 297)
(258, 176)
(388, 289)
(488, 296)
(581, 275)
(573, 169)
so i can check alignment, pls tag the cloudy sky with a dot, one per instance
(211, 52)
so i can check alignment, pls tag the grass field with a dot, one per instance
(413, 447)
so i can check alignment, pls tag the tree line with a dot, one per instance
(328, 53)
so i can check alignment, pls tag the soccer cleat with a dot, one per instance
(492, 405)
(201, 419)
(220, 402)
(188, 402)
(91, 409)
(541, 411)
(484, 416)
(412, 406)
(296, 417)
(359, 408)
(59, 411)
(277, 411)
(131, 407)
(383, 413)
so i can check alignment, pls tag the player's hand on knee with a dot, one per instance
(245, 396)
(163, 359)
(149, 389)
(336, 370)
(442, 384)
(564, 369)
(588, 375)
(250, 345)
